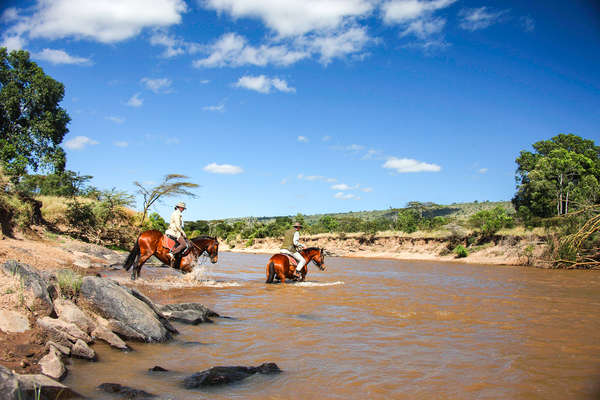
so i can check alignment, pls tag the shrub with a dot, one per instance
(460, 251)
(491, 221)
(69, 283)
(408, 220)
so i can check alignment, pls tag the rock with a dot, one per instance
(69, 312)
(58, 329)
(34, 282)
(13, 321)
(125, 391)
(188, 313)
(112, 301)
(48, 388)
(66, 350)
(109, 337)
(52, 365)
(82, 350)
(154, 308)
(9, 384)
(226, 375)
(125, 331)
(158, 368)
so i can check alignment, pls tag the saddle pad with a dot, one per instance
(292, 259)
(168, 242)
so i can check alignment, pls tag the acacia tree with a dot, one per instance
(171, 185)
(32, 124)
(562, 171)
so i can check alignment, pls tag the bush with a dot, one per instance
(491, 221)
(408, 220)
(69, 283)
(460, 251)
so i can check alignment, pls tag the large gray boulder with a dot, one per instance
(58, 329)
(9, 384)
(32, 281)
(136, 318)
(13, 321)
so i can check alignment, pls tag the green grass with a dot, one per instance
(69, 282)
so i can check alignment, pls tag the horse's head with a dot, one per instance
(213, 250)
(317, 256)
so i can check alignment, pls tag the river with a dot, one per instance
(373, 328)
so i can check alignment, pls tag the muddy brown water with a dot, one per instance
(373, 329)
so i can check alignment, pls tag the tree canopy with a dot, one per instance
(32, 124)
(562, 174)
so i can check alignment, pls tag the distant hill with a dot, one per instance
(455, 210)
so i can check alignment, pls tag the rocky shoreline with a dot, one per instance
(103, 310)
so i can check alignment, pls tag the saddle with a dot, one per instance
(292, 260)
(170, 243)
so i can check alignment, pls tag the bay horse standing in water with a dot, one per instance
(280, 264)
(150, 243)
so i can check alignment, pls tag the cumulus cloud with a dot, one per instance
(336, 44)
(103, 21)
(405, 165)
(116, 120)
(135, 101)
(219, 108)
(415, 17)
(79, 142)
(223, 169)
(121, 144)
(158, 85)
(60, 57)
(479, 18)
(233, 50)
(263, 84)
(345, 196)
(173, 46)
(13, 42)
(295, 17)
(343, 186)
(303, 139)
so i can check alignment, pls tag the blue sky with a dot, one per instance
(283, 106)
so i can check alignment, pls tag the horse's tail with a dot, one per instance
(132, 255)
(270, 272)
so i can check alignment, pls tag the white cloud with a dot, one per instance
(13, 42)
(172, 140)
(303, 139)
(9, 15)
(135, 101)
(233, 50)
(121, 144)
(295, 17)
(404, 165)
(528, 24)
(263, 84)
(343, 186)
(223, 169)
(424, 28)
(370, 154)
(116, 120)
(283, 181)
(204, 81)
(219, 108)
(79, 142)
(403, 11)
(313, 178)
(482, 170)
(326, 138)
(173, 46)
(60, 57)
(479, 18)
(158, 85)
(345, 196)
(103, 21)
(367, 190)
(336, 44)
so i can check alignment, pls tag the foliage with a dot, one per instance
(171, 186)
(69, 283)
(31, 121)
(156, 222)
(61, 183)
(491, 221)
(460, 251)
(562, 175)
(408, 220)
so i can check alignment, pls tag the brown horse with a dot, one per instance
(149, 244)
(280, 265)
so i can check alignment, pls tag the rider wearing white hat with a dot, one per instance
(292, 246)
(175, 230)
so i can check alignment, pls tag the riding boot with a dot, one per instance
(171, 259)
(178, 260)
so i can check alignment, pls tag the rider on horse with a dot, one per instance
(175, 232)
(292, 246)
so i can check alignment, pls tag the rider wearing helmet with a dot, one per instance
(175, 231)
(292, 246)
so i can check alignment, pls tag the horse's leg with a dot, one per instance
(280, 270)
(144, 256)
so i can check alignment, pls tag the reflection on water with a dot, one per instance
(372, 329)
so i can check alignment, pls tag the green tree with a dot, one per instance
(32, 124)
(156, 222)
(408, 220)
(171, 185)
(329, 223)
(491, 221)
(561, 173)
(61, 183)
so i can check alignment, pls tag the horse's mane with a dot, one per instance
(205, 237)
(312, 248)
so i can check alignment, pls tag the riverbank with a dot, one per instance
(508, 248)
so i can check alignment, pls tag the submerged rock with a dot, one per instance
(125, 391)
(188, 313)
(109, 337)
(135, 318)
(158, 368)
(225, 375)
